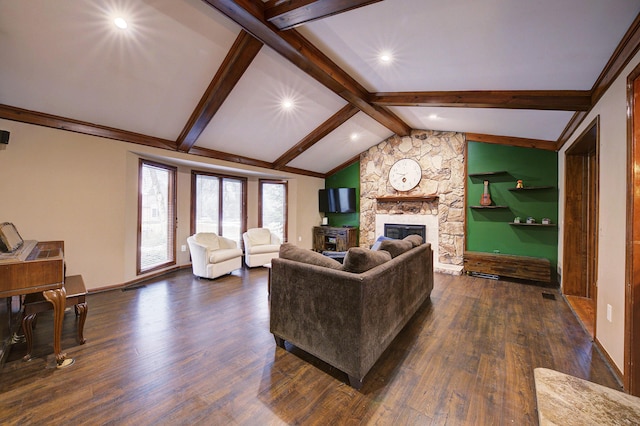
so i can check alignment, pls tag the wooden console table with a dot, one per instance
(508, 265)
(329, 238)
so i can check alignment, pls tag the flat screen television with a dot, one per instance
(337, 200)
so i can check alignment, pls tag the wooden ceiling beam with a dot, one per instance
(299, 51)
(316, 135)
(287, 14)
(512, 141)
(233, 158)
(56, 122)
(556, 100)
(244, 50)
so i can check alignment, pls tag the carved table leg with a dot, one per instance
(58, 298)
(27, 329)
(81, 312)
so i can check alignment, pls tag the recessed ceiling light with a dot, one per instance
(287, 104)
(121, 23)
(385, 57)
(433, 117)
(354, 136)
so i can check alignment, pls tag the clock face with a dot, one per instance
(405, 174)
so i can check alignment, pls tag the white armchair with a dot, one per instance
(213, 255)
(260, 246)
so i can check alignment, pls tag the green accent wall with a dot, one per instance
(349, 177)
(489, 230)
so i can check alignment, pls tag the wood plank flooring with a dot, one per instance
(187, 351)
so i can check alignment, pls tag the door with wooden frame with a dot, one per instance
(580, 259)
(632, 285)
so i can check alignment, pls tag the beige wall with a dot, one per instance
(59, 185)
(612, 215)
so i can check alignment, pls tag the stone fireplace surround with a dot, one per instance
(441, 157)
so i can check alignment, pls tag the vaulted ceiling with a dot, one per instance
(302, 85)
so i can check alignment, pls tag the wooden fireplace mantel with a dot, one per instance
(406, 198)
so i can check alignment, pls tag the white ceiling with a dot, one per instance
(66, 58)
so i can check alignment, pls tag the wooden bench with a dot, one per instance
(508, 265)
(35, 303)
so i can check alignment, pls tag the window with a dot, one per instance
(156, 216)
(273, 207)
(218, 204)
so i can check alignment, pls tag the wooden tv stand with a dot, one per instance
(329, 238)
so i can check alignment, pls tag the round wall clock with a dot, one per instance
(405, 174)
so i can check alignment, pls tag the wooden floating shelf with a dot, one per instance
(532, 224)
(529, 188)
(499, 172)
(405, 198)
(488, 207)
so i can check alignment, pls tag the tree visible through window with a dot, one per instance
(218, 205)
(273, 207)
(156, 216)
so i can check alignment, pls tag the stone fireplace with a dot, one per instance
(441, 157)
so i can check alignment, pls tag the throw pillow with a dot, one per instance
(292, 252)
(359, 259)
(396, 247)
(376, 245)
(414, 239)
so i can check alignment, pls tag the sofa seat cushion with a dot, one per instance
(208, 239)
(265, 248)
(359, 259)
(292, 252)
(396, 247)
(217, 256)
(259, 236)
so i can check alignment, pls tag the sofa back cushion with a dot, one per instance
(414, 239)
(359, 259)
(292, 252)
(395, 247)
(259, 236)
(208, 239)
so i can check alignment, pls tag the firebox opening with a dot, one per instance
(399, 231)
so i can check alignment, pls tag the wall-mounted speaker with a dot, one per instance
(4, 136)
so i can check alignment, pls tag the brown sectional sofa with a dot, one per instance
(348, 319)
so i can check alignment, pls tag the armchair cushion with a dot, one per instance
(208, 239)
(217, 256)
(264, 248)
(259, 236)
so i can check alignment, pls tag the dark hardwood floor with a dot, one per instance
(187, 351)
